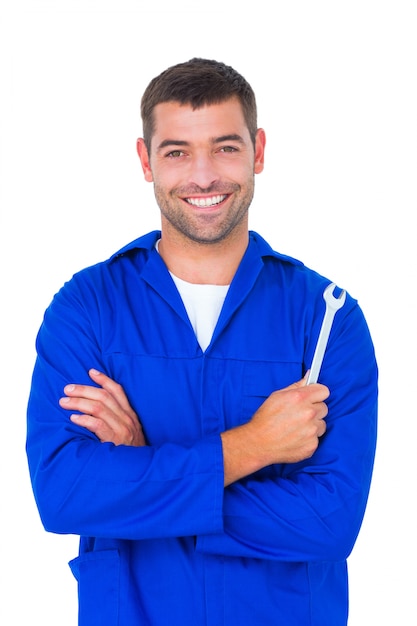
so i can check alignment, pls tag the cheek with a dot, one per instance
(243, 170)
(168, 177)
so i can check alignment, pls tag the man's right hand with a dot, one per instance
(285, 429)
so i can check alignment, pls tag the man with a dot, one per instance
(210, 485)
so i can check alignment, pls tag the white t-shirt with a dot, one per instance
(203, 304)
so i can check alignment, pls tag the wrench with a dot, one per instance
(332, 306)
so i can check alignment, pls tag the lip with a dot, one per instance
(206, 202)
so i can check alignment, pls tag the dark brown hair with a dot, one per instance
(198, 82)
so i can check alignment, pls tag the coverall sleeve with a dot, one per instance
(313, 510)
(86, 487)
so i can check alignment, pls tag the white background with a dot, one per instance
(336, 89)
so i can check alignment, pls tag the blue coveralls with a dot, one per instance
(162, 542)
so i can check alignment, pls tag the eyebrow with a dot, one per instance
(223, 138)
(214, 140)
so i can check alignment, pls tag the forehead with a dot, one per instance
(181, 122)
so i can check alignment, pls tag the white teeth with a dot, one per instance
(206, 201)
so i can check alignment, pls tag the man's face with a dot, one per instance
(202, 164)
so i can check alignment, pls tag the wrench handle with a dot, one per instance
(321, 346)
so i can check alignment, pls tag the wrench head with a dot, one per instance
(331, 301)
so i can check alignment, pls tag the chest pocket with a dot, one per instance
(260, 379)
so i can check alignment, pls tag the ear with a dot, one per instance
(144, 159)
(259, 150)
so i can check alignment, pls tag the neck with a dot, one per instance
(203, 263)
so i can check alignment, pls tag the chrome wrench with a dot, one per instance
(332, 306)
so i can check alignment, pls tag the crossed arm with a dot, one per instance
(285, 429)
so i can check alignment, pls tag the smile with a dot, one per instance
(206, 202)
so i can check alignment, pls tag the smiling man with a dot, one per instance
(204, 184)
(170, 425)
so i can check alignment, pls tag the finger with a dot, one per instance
(322, 427)
(103, 415)
(80, 394)
(86, 405)
(107, 422)
(298, 383)
(89, 392)
(94, 425)
(315, 392)
(113, 388)
(106, 431)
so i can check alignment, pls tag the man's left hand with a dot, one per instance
(104, 410)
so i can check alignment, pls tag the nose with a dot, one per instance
(203, 171)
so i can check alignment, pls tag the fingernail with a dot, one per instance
(69, 388)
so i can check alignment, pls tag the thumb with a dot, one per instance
(300, 383)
